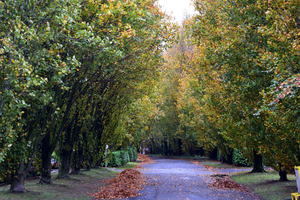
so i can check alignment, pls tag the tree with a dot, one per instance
(31, 67)
(234, 43)
(54, 54)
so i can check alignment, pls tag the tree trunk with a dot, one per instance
(282, 174)
(46, 160)
(76, 170)
(214, 154)
(258, 163)
(46, 170)
(17, 180)
(87, 167)
(180, 153)
(87, 158)
(64, 165)
(166, 148)
(77, 162)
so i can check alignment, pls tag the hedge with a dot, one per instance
(135, 153)
(119, 158)
(130, 153)
(115, 159)
(124, 157)
(239, 159)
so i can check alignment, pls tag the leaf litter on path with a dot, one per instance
(227, 183)
(126, 184)
(145, 159)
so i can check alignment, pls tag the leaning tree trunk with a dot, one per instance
(45, 177)
(258, 163)
(17, 180)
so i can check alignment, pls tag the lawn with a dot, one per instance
(129, 165)
(77, 187)
(267, 185)
(222, 165)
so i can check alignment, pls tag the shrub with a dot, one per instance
(115, 159)
(134, 152)
(124, 157)
(119, 158)
(130, 153)
(239, 159)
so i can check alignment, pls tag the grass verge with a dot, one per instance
(194, 157)
(129, 165)
(267, 185)
(77, 187)
(222, 165)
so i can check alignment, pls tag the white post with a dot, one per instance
(297, 177)
(106, 155)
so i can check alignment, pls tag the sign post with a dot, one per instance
(106, 155)
(296, 195)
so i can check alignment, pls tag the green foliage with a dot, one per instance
(115, 159)
(119, 158)
(135, 153)
(69, 70)
(130, 154)
(239, 159)
(55, 156)
(124, 157)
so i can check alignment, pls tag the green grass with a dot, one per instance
(267, 185)
(222, 165)
(129, 165)
(194, 157)
(77, 187)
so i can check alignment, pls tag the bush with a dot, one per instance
(115, 159)
(239, 159)
(124, 157)
(134, 152)
(130, 153)
(119, 158)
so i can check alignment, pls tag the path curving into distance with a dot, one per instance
(171, 179)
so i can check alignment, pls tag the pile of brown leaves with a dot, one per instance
(227, 183)
(208, 167)
(138, 167)
(145, 159)
(196, 162)
(125, 185)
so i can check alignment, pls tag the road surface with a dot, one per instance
(171, 179)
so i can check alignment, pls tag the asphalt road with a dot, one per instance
(171, 179)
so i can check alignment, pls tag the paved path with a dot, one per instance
(171, 179)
